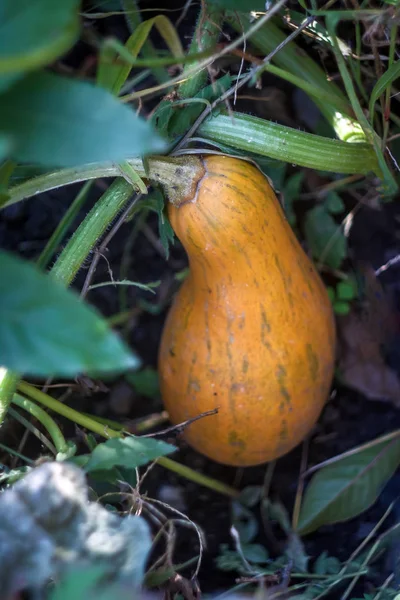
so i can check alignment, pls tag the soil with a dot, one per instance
(348, 420)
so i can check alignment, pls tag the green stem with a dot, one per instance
(48, 422)
(63, 226)
(8, 385)
(29, 461)
(164, 170)
(188, 473)
(107, 432)
(206, 34)
(258, 136)
(66, 411)
(90, 230)
(56, 179)
(17, 416)
(272, 139)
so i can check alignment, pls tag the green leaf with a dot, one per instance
(331, 293)
(155, 202)
(183, 116)
(290, 193)
(250, 496)
(341, 308)
(46, 330)
(33, 34)
(346, 290)
(346, 488)
(296, 553)
(130, 452)
(145, 382)
(383, 82)
(255, 553)
(334, 204)
(56, 121)
(326, 565)
(4, 146)
(325, 238)
(80, 584)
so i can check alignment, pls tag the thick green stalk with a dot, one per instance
(56, 179)
(164, 170)
(258, 136)
(206, 34)
(90, 230)
(8, 385)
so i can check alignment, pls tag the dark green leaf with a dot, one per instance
(255, 553)
(55, 121)
(326, 565)
(250, 495)
(145, 382)
(33, 34)
(290, 193)
(296, 553)
(184, 115)
(331, 293)
(334, 204)
(346, 290)
(5, 144)
(348, 487)
(46, 330)
(130, 452)
(341, 308)
(325, 238)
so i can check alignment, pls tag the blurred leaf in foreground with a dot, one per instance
(46, 330)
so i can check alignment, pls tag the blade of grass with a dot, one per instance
(133, 18)
(30, 427)
(113, 72)
(312, 90)
(204, 63)
(389, 183)
(206, 34)
(296, 62)
(382, 85)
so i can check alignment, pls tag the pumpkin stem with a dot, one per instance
(178, 175)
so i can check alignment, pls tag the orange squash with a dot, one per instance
(251, 330)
